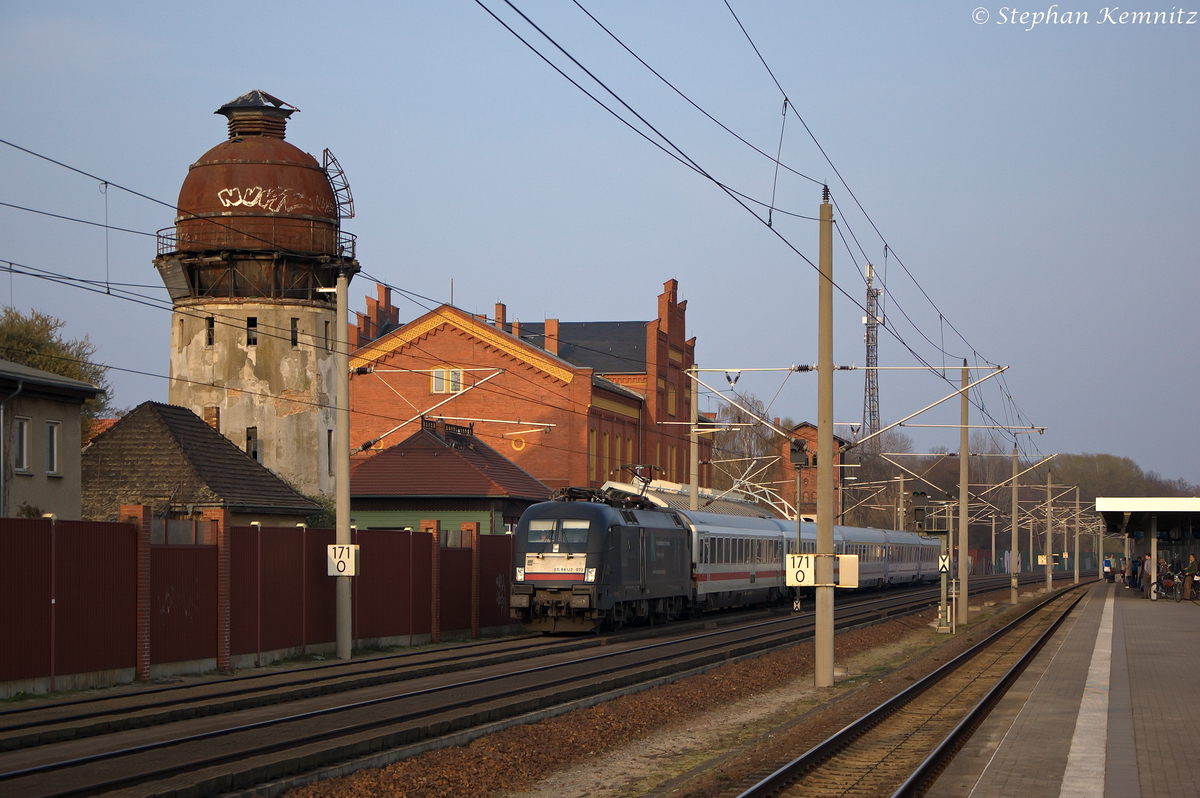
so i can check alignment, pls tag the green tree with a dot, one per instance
(36, 340)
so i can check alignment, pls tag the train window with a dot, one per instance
(541, 531)
(575, 530)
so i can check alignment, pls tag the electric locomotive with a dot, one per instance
(582, 563)
(606, 558)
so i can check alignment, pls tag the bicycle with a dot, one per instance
(1170, 586)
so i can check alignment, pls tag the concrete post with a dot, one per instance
(994, 545)
(694, 446)
(1153, 557)
(964, 512)
(341, 362)
(823, 637)
(1076, 558)
(1013, 570)
(139, 516)
(1048, 547)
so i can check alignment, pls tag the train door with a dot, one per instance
(642, 560)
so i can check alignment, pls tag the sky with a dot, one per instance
(1034, 184)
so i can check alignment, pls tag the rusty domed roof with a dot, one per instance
(255, 190)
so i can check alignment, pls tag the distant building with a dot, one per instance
(250, 265)
(807, 433)
(572, 403)
(168, 459)
(442, 472)
(40, 416)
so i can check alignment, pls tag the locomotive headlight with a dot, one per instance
(520, 574)
(589, 575)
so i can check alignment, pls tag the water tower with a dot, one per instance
(250, 266)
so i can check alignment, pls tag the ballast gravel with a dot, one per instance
(703, 736)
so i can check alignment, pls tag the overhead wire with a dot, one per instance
(845, 184)
(778, 163)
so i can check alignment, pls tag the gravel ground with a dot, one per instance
(705, 736)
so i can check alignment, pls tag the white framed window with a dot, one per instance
(447, 381)
(52, 430)
(21, 444)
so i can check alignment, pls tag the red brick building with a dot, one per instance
(572, 403)
(808, 473)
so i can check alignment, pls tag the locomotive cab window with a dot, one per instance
(541, 531)
(575, 530)
(568, 530)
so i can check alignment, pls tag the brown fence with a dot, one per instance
(67, 597)
(24, 599)
(71, 597)
(95, 596)
(495, 578)
(183, 603)
(392, 591)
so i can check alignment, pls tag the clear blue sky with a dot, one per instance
(1039, 184)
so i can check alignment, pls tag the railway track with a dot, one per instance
(207, 739)
(900, 747)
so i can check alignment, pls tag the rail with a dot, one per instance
(933, 763)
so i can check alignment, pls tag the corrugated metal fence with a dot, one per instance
(69, 594)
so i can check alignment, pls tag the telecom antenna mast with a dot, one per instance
(870, 423)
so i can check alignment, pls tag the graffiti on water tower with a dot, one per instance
(273, 200)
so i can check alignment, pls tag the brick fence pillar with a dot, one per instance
(139, 516)
(434, 528)
(470, 534)
(220, 518)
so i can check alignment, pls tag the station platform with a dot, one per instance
(1110, 707)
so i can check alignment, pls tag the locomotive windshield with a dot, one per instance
(558, 530)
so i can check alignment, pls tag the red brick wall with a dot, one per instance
(558, 456)
(139, 516)
(808, 474)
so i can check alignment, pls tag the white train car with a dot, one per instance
(738, 560)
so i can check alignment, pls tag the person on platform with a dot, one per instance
(1189, 576)
(1147, 582)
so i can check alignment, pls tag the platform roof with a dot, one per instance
(1134, 515)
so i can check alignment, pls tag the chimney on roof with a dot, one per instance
(516, 328)
(500, 310)
(439, 428)
(550, 339)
